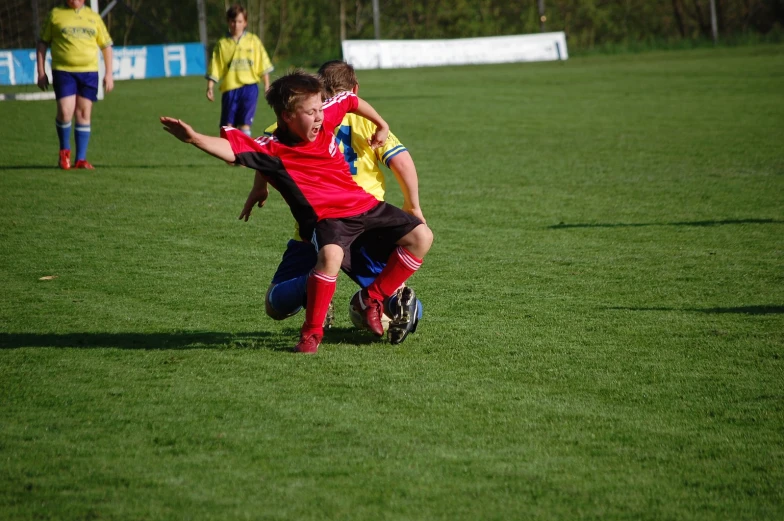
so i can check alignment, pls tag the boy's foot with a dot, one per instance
(330, 318)
(371, 311)
(82, 163)
(405, 310)
(65, 160)
(308, 343)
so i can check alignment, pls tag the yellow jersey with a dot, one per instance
(352, 135)
(73, 35)
(238, 63)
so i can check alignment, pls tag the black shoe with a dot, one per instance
(403, 310)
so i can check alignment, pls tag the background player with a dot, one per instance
(74, 33)
(239, 62)
(287, 292)
(302, 161)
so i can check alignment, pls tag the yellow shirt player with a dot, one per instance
(74, 33)
(287, 291)
(239, 62)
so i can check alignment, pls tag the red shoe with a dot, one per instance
(82, 163)
(371, 311)
(308, 344)
(65, 160)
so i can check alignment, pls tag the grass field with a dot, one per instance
(604, 309)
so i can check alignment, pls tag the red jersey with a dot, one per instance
(312, 176)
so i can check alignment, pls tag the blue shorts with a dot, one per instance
(82, 84)
(368, 258)
(299, 258)
(238, 106)
(369, 254)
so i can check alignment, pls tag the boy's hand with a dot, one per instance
(379, 138)
(178, 129)
(210, 95)
(43, 82)
(255, 197)
(415, 211)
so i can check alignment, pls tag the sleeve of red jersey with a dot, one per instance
(338, 106)
(238, 140)
(258, 155)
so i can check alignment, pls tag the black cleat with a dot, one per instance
(404, 312)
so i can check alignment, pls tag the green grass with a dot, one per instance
(604, 309)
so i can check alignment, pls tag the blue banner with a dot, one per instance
(17, 67)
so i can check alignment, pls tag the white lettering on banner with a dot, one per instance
(397, 54)
(174, 54)
(18, 66)
(129, 63)
(7, 60)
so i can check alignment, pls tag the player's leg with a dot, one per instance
(287, 292)
(228, 108)
(65, 92)
(321, 287)
(87, 94)
(413, 239)
(82, 131)
(402, 263)
(367, 258)
(249, 95)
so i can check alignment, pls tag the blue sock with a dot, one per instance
(63, 134)
(288, 296)
(82, 135)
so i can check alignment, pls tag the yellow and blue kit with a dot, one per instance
(73, 35)
(238, 63)
(352, 136)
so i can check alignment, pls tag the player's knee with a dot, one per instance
(419, 240)
(275, 313)
(427, 236)
(271, 311)
(330, 257)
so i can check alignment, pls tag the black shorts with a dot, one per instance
(386, 224)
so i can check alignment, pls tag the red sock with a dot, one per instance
(321, 287)
(401, 265)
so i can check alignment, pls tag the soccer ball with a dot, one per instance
(356, 316)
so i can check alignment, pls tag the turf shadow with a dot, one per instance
(277, 341)
(147, 341)
(562, 225)
(768, 309)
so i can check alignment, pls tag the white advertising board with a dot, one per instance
(398, 54)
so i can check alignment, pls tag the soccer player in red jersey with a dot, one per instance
(302, 161)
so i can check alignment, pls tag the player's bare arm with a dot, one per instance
(215, 146)
(40, 58)
(365, 110)
(257, 196)
(108, 78)
(210, 92)
(402, 165)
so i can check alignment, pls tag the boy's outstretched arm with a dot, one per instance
(214, 146)
(382, 129)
